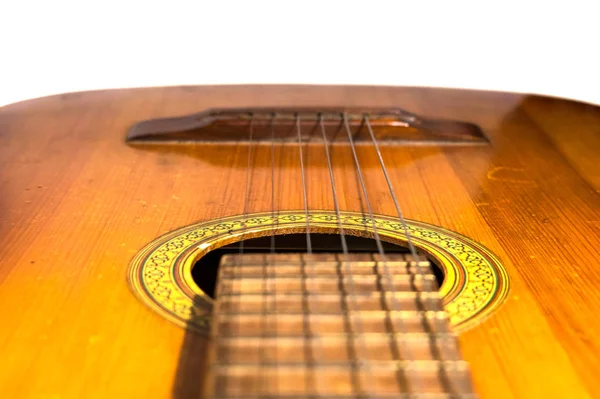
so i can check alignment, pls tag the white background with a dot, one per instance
(57, 46)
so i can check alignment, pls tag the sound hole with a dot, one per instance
(205, 270)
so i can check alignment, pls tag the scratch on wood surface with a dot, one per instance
(508, 174)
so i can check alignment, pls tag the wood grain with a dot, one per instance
(76, 204)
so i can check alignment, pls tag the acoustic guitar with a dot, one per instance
(299, 242)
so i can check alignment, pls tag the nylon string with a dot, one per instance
(411, 246)
(435, 348)
(308, 241)
(314, 339)
(360, 339)
(247, 190)
(379, 245)
(270, 277)
(246, 198)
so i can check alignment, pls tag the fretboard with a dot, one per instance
(329, 326)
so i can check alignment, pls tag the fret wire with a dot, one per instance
(308, 241)
(360, 336)
(411, 246)
(375, 232)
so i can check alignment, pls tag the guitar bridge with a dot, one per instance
(234, 126)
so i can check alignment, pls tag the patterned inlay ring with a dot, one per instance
(475, 282)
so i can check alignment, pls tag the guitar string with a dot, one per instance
(315, 341)
(246, 198)
(352, 295)
(275, 220)
(319, 344)
(381, 252)
(271, 276)
(238, 264)
(418, 300)
(308, 240)
(344, 244)
(411, 246)
(247, 187)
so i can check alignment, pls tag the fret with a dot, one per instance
(336, 348)
(321, 269)
(235, 380)
(265, 259)
(289, 325)
(329, 303)
(315, 326)
(311, 261)
(330, 284)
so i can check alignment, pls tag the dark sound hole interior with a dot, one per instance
(204, 271)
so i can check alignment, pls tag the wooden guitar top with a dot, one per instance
(78, 203)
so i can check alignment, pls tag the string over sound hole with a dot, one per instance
(205, 269)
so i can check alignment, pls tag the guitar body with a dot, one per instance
(78, 203)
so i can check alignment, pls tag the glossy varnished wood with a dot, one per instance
(77, 203)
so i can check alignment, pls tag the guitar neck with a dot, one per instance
(327, 325)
